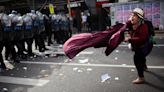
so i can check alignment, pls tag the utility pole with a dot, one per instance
(33, 3)
(69, 8)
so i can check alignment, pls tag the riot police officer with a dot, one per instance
(8, 37)
(28, 34)
(17, 22)
(36, 32)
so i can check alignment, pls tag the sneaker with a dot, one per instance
(139, 80)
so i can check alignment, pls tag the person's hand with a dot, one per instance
(126, 39)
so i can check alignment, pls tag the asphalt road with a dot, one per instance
(90, 71)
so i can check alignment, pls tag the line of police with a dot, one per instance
(16, 30)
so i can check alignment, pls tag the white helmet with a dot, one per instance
(139, 12)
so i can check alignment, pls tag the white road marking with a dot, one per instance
(89, 65)
(61, 52)
(156, 45)
(23, 81)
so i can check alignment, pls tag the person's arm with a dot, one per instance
(142, 36)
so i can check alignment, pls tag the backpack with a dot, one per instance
(150, 31)
(147, 47)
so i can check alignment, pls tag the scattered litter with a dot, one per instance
(116, 78)
(75, 68)
(25, 68)
(124, 64)
(105, 77)
(4, 90)
(77, 55)
(116, 58)
(60, 74)
(80, 71)
(132, 70)
(117, 51)
(53, 55)
(83, 61)
(89, 69)
(46, 56)
(43, 71)
(67, 60)
(46, 75)
(60, 46)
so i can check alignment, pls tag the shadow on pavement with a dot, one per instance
(159, 77)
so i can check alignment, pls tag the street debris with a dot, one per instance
(4, 90)
(116, 78)
(75, 68)
(25, 68)
(117, 51)
(116, 58)
(124, 64)
(80, 71)
(83, 61)
(89, 69)
(132, 70)
(105, 77)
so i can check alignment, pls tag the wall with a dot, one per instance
(121, 11)
(162, 12)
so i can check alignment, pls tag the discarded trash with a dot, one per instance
(105, 77)
(60, 74)
(25, 68)
(80, 71)
(4, 90)
(77, 55)
(132, 70)
(89, 69)
(83, 61)
(60, 46)
(43, 71)
(67, 60)
(116, 78)
(117, 51)
(75, 68)
(53, 55)
(116, 58)
(124, 64)
(46, 56)
(46, 75)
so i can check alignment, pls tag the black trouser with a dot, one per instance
(20, 47)
(49, 36)
(140, 62)
(29, 42)
(38, 39)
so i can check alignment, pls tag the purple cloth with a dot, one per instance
(79, 42)
(115, 40)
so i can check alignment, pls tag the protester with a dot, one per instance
(138, 37)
